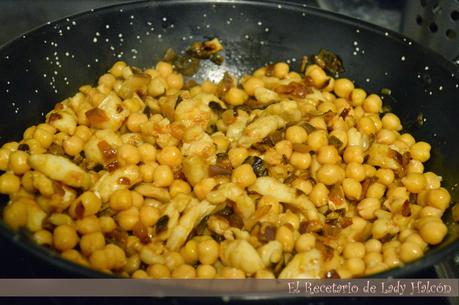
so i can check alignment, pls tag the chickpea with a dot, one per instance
(367, 207)
(107, 224)
(43, 136)
(147, 171)
(149, 215)
(410, 251)
(385, 176)
(373, 245)
(206, 272)
(243, 175)
(164, 68)
(366, 125)
(18, 162)
(354, 249)
(251, 84)
(232, 273)
(372, 104)
(158, 271)
(385, 136)
(372, 259)
(328, 155)
(235, 96)
(358, 96)
(163, 176)
(86, 225)
(353, 154)
(414, 182)
(64, 238)
(330, 174)
(355, 171)
(175, 81)
(319, 195)
(305, 242)
(147, 152)
(281, 70)
(208, 251)
(433, 181)
(73, 146)
(189, 252)
(91, 203)
(317, 139)
(135, 121)
(391, 122)
(376, 190)
(157, 86)
(83, 132)
(140, 274)
(285, 236)
(179, 186)
(92, 242)
(300, 160)
(415, 167)
(129, 154)
(203, 187)
(117, 69)
(237, 156)
(285, 148)
(352, 188)
(296, 134)
(43, 237)
(420, 151)
(171, 156)
(303, 185)
(355, 265)
(438, 198)
(317, 75)
(184, 271)
(121, 200)
(343, 87)
(9, 184)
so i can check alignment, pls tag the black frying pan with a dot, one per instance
(50, 63)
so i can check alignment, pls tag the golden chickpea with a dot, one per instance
(189, 252)
(179, 186)
(232, 273)
(385, 136)
(64, 238)
(433, 180)
(353, 154)
(376, 190)
(366, 125)
(184, 271)
(251, 84)
(328, 155)
(414, 183)
(86, 225)
(107, 224)
(330, 174)
(203, 187)
(385, 176)
(300, 160)
(121, 200)
(420, 151)
(343, 87)
(391, 122)
(305, 242)
(373, 245)
(91, 203)
(163, 176)
(355, 265)
(235, 96)
(372, 104)
(175, 81)
(117, 69)
(438, 198)
(9, 184)
(157, 86)
(18, 162)
(370, 171)
(147, 170)
(237, 156)
(129, 154)
(367, 207)
(73, 146)
(317, 74)
(281, 70)
(285, 236)
(83, 132)
(296, 134)
(358, 96)
(415, 167)
(352, 188)
(372, 258)
(164, 68)
(149, 215)
(43, 136)
(158, 271)
(319, 195)
(171, 156)
(206, 272)
(354, 249)
(243, 175)
(173, 260)
(264, 274)
(410, 251)
(135, 121)
(92, 242)
(43, 237)
(208, 251)
(355, 171)
(15, 214)
(285, 148)
(317, 139)
(147, 152)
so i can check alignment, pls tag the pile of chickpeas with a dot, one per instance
(145, 175)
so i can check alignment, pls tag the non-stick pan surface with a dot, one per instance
(50, 63)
